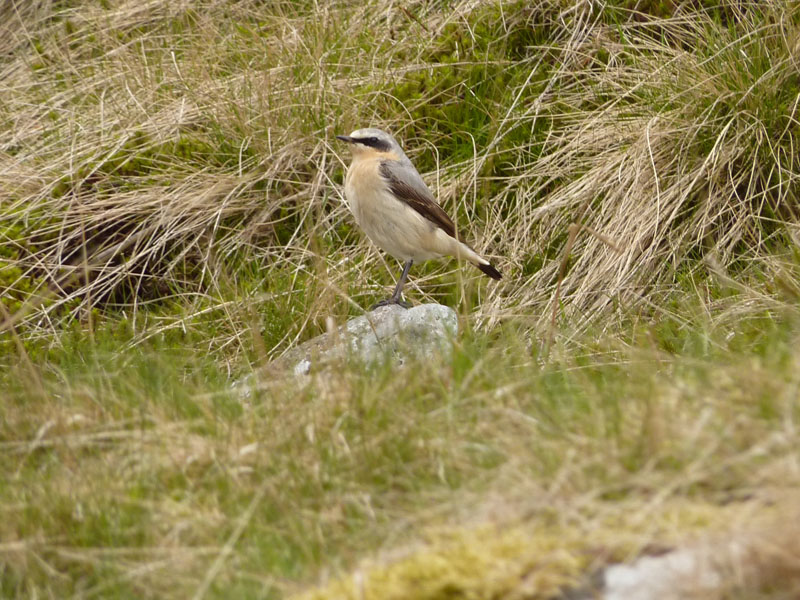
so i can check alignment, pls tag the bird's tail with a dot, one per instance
(461, 250)
(489, 270)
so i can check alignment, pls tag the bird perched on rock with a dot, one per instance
(396, 210)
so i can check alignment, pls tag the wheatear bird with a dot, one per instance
(396, 210)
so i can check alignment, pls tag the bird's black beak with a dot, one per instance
(345, 138)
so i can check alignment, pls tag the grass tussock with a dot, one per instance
(171, 216)
(681, 153)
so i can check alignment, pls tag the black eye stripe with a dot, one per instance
(374, 142)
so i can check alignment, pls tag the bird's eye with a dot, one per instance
(373, 142)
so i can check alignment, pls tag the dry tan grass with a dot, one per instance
(653, 188)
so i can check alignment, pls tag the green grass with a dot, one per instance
(171, 217)
(126, 473)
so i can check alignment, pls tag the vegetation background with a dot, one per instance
(171, 216)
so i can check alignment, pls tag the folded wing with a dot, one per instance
(406, 184)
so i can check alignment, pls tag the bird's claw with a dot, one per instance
(389, 302)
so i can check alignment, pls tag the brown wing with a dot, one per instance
(406, 184)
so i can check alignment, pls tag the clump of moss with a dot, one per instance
(485, 56)
(18, 281)
(483, 563)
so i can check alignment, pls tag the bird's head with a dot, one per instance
(369, 141)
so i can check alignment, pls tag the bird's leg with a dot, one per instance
(398, 290)
(397, 295)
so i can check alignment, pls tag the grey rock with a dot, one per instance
(695, 572)
(698, 571)
(391, 332)
(386, 333)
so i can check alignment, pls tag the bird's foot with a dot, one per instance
(389, 302)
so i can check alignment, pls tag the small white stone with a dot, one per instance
(667, 577)
(302, 367)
